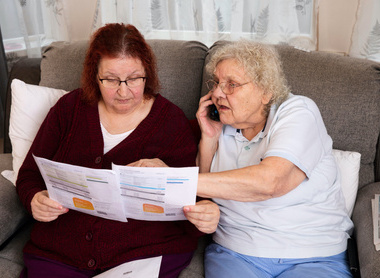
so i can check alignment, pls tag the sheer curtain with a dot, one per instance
(29, 25)
(271, 21)
(365, 41)
(26, 27)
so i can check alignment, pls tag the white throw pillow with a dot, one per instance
(30, 105)
(349, 165)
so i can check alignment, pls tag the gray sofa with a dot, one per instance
(347, 91)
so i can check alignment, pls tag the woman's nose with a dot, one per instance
(123, 89)
(218, 92)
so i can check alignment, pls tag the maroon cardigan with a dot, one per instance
(71, 133)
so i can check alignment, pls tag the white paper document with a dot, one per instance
(376, 221)
(143, 193)
(136, 269)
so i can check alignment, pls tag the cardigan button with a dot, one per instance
(89, 236)
(98, 159)
(91, 263)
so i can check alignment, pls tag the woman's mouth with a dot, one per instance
(122, 101)
(222, 107)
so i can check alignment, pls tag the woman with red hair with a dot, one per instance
(117, 117)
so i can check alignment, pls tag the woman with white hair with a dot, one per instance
(268, 164)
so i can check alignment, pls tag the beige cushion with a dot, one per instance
(62, 65)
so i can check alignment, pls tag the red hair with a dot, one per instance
(117, 40)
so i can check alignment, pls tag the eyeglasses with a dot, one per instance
(115, 83)
(226, 87)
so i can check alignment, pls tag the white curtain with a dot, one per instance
(29, 25)
(365, 42)
(271, 21)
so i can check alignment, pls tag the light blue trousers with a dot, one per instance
(221, 262)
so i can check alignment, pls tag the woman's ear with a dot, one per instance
(266, 98)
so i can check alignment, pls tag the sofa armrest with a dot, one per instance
(369, 258)
(12, 213)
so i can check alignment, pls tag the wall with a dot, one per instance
(336, 22)
(81, 17)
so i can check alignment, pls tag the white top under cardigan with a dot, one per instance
(309, 221)
(111, 140)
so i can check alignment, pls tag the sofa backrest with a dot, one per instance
(180, 68)
(347, 90)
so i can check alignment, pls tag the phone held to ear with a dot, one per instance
(213, 113)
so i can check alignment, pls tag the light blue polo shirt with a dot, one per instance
(309, 221)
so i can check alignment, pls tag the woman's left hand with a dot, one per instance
(204, 215)
(154, 162)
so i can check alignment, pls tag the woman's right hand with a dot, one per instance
(45, 209)
(211, 131)
(209, 128)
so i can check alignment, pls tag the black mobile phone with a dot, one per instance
(213, 113)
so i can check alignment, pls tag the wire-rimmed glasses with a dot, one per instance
(226, 87)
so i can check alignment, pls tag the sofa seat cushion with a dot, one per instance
(11, 255)
(362, 217)
(12, 213)
(196, 268)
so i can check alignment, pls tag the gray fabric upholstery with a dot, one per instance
(369, 259)
(12, 213)
(180, 76)
(62, 65)
(196, 269)
(347, 91)
(11, 262)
